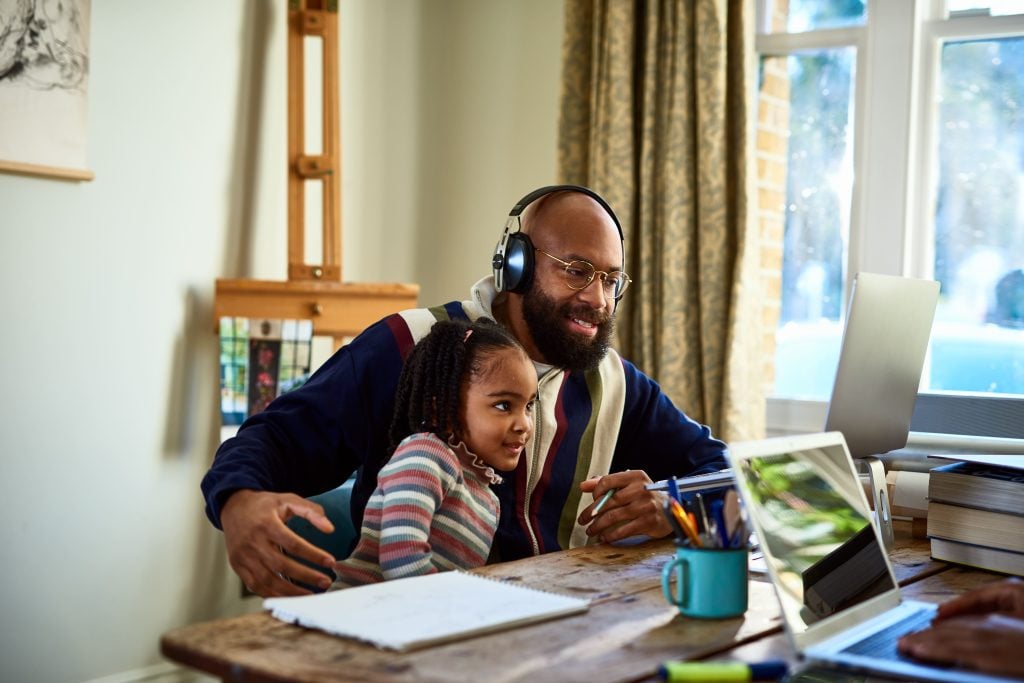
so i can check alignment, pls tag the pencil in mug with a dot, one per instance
(689, 528)
(677, 528)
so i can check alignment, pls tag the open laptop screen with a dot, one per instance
(813, 524)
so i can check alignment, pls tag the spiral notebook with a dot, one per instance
(419, 611)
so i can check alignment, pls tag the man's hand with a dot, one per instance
(1005, 597)
(982, 629)
(257, 539)
(631, 511)
(990, 643)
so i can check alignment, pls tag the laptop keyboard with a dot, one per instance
(882, 644)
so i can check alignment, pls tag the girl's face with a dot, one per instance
(497, 408)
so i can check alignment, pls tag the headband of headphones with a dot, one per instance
(521, 205)
(513, 260)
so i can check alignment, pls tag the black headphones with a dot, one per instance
(513, 260)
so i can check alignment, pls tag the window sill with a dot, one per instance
(795, 416)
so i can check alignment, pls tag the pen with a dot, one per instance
(604, 499)
(718, 516)
(731, 510)
(722, 672)
(703, 514)
(739, 536)
(673, 489)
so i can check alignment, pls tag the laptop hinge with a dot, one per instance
(879, 498)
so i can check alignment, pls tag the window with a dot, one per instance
(975, 202)
(891, 140)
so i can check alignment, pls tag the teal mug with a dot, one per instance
(710, 583)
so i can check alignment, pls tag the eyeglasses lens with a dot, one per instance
(580, 274)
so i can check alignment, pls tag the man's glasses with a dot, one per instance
(579, 275)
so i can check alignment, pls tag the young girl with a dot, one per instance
(463, 409)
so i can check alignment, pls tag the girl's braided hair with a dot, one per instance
(427, 399)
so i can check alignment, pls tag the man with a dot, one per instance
(559, 275)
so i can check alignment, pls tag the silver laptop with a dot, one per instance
(888, 324)
(840, 601)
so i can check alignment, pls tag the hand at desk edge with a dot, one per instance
(983, 629)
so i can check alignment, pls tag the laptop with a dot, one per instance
(885, 340)
(840, 601)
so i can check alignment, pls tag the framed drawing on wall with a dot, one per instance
(44, 76)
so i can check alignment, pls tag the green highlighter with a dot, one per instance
(722, 672)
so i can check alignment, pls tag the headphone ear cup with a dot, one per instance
(518, 263)
(498, 262)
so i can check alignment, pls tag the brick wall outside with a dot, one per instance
(772, 144)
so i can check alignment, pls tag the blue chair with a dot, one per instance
(337, 505)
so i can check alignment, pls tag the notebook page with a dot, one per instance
(414, 612)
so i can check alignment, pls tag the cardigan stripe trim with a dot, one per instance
(544, 481)
(403, 339)
(576, 499)
(610, 381)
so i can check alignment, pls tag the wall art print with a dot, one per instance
(44, 76)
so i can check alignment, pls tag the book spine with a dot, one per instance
(979, 527)
(992, 559)
(1000, 515)
(982, 486)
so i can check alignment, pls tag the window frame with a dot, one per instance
(888, 190)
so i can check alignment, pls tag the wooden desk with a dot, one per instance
(628, 631)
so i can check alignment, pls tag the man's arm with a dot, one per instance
(656, 441)
(659, 438)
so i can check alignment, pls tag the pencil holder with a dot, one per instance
(710, 583)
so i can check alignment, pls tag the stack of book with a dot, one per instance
(976, 516)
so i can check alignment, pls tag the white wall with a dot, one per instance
(108, 359)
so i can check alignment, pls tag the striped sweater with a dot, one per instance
(432, 510)
(608, 419)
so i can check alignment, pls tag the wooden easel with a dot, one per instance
(313, 291)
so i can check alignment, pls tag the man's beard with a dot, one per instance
(545, 319)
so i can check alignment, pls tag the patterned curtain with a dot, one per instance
(655, 109)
